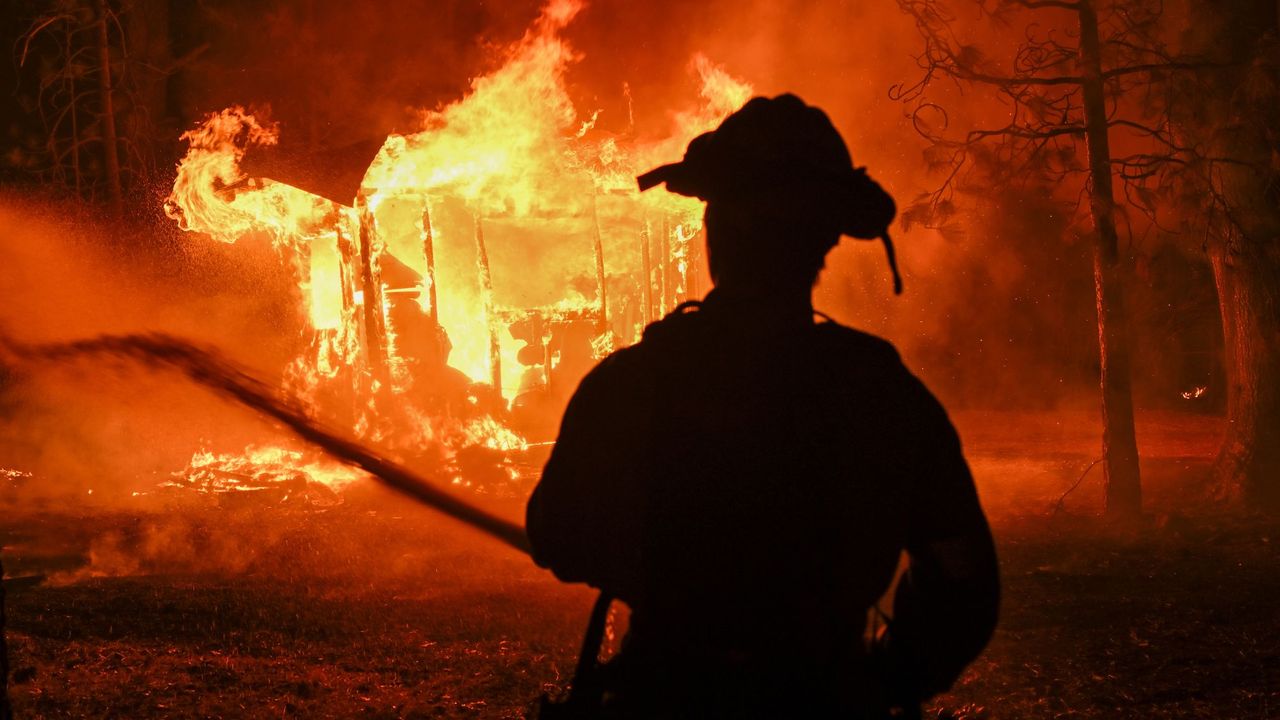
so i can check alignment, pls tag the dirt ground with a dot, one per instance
(376, 609)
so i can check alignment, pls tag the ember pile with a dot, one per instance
(270, 474)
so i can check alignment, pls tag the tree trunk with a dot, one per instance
(1119, 443)
(1236, 115)
(109, 140)
(1248, 465)
(6, 713)
(147, 120)
(74, 111)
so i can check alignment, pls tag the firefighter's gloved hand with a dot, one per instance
(944, 612)
(902, 678)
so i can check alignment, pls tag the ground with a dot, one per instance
(377, 609)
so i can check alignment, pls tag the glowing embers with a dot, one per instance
(14, 479)
(266, 475)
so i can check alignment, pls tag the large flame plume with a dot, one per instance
(498, 249)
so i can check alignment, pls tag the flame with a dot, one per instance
(211, 195)
(528, 202)
(498, 145)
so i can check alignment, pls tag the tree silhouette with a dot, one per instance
(1227, 116)
(83, 76)
(1083, 94)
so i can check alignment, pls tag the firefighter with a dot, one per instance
(747, 477)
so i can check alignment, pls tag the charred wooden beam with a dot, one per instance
(647, 285)
(346, 261)
(597, 246)
(664, 260)
(486, 295)
(693, 266)
(687, 249)
(548, 359)
(346, 390)
(429, 250)
(682, 265)
(375, 321)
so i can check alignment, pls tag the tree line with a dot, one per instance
(1140, 118)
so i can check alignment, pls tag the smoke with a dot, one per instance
(211, 370)
(346, 548)
(89, 428)
(176, 542)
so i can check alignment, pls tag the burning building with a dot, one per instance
(459, 279)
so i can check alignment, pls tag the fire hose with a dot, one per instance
(211, 369)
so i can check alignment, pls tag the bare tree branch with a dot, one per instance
(1165, 67)
(1024, 133)
(1016, 81)
(1040, 4)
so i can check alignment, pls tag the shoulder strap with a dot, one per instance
(586, 693)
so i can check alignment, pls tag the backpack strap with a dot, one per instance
(586, 678)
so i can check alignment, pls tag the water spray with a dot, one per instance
(210, 368)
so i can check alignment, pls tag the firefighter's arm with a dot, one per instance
(946, 606)
(944, 613)
(583, 519)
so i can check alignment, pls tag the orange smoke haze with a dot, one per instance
(90, 427)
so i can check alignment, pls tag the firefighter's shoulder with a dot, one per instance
(684, 318)
(624, 371)
(850, 342)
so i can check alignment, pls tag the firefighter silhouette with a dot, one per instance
(747, 477)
